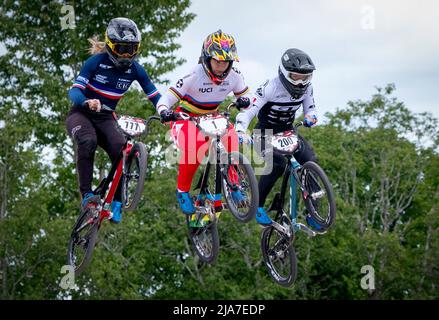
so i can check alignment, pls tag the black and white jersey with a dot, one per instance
(275, 107)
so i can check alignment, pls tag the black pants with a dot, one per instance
(89, 130)
(275, 171)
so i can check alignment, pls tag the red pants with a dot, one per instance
(194, 146)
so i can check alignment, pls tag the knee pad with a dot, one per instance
(87, 145)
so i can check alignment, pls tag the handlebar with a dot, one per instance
(146, 122)
(178, 115)
(106, 108)
(231, 105)
(297, 125)
(184, 116)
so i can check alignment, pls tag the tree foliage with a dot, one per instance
(381, 158)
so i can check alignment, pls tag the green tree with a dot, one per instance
(381, 158)
(39, 197)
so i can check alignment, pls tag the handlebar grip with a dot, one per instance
(147, 121)
(106, 108)
(297, 125)
(182, 116)
(231, 105)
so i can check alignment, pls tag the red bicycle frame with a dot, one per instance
(114, 178)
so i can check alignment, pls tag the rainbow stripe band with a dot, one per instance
(240, 93)
(175, 93)
(194, 109)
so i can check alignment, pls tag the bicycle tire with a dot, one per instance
(324, 223)
(212, 231)
(138, 156)
(290, 257)
(252, 204)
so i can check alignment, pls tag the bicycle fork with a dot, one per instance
(294, 225)
(215, 198)
(293, 201)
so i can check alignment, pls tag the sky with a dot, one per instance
(355, 45)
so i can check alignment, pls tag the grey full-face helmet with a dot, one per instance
(122, 42)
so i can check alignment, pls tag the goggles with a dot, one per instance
(299, 78)
(296, 78)
(125, 50)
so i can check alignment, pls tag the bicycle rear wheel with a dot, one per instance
(240, 187)
(83, 240)
(205, 241)
(319, 197)
(134, 177)
(279, 256)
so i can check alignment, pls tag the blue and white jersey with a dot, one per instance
(100, 79)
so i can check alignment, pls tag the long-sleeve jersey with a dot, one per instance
(275, 107)
(197, 93)
(100, 79)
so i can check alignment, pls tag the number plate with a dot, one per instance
(213, 125)
(285, 142)
(131, 126)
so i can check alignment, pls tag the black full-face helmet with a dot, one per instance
(295, 71)
(122, 42)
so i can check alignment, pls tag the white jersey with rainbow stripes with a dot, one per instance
(197, 93)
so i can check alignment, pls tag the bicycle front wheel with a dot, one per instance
(318, 197)
(134, 177)
(240, 187)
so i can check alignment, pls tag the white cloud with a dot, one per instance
(401, 48)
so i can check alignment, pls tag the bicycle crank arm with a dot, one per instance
(281, 228)
(201, 209)
(308, 231)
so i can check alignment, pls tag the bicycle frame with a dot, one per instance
(290, 182)
(216, 149)
(115, 174)
(113, 177)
